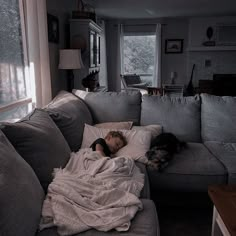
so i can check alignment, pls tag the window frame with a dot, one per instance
(136, 33)
(28, 99)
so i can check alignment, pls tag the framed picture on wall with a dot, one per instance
(174, 45)
(53, 28)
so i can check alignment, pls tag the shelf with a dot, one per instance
(211, 48)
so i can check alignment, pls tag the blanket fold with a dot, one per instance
(93, 192)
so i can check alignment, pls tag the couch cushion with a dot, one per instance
(191, 170)
(112, 106)
(218, 117)
(38, 140)
(21, 195)
(177, 115)
(70, 114)
(145, 223)
(226, 154)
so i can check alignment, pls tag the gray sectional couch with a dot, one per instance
(207, 124)
(32, 147)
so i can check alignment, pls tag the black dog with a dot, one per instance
(162, 150)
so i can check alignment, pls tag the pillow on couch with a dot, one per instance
(115, 125)
(70, 114)
(138, 142)
(154, 129)
(21, 195)
(38, 140)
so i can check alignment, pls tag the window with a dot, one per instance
(15, 99)
(139, 55)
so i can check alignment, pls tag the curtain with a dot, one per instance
(35, 15)
(121, 38)
(119, 57)
(157, 61)
(121, 44)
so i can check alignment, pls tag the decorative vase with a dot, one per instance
(209, 33)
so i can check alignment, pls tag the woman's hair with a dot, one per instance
(117, 134)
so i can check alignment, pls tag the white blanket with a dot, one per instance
(93, 192)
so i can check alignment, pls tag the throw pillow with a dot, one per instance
(138, 141)
(154, 129)
(38, 140)
(115, 125)
(70, 114)
(21, 195)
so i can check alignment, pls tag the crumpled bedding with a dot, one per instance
(93, 192)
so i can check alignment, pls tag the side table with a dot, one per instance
(155, 91)
(224, 212)
(173, 90)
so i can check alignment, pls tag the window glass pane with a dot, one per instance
(138, 56)
(16, 113)
(12, 68)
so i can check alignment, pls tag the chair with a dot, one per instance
(133, 82)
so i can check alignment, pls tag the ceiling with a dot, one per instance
(147, 9)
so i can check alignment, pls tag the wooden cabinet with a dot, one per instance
(85, 34)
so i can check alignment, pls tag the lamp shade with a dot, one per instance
(70, 59)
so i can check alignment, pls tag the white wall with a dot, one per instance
(174, 29)
(222, 62)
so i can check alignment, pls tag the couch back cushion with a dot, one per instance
(218, 118)
(21, 195)
(112, 106)
(70, 113)
(38, 140)
(178, 115)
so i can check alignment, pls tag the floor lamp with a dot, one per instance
(70, 59)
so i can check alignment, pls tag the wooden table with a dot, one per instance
(224, 212)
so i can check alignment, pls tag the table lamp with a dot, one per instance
(70, 59)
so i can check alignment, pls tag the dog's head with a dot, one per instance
(157, 158)
(156, 154)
